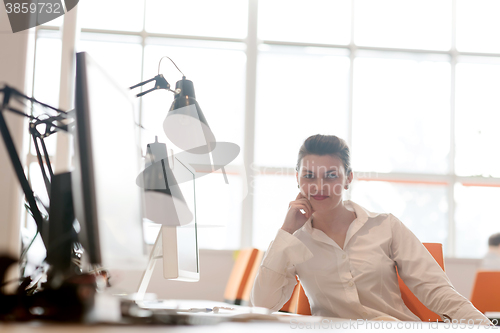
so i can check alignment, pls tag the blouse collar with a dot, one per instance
(362, 215)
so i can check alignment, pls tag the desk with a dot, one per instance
(230, 327)
(223, 327)
(246, 322)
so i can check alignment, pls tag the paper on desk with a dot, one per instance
(106, 309)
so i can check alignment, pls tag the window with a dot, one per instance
(296, 97)
(477, 106)
(401, 113)
(409, 24)
(411, 85)
(421, 207)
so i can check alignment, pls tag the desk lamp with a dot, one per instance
(51, 124)
(187, 127)
(54, 223)
(184, 116)
(56, 227)
(162, 194)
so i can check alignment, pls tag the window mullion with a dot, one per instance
(250, 97)
(144, 35)
(451, 245)
(70, 34)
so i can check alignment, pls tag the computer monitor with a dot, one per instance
(107, 202)
(176, 246)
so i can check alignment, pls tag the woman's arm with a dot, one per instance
(275, 280)
(425, 278)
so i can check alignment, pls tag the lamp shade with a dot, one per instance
(185, 125)
(164, 202)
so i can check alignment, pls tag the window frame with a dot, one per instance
(252, 43)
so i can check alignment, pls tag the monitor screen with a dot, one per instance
(107, 201)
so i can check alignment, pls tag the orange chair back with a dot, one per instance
(411, 301)
(291, 305)
(298, 302)
(435, 249)
(303, 306)
(486, 291)
(239, 285)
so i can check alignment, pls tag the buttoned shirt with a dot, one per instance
(358, 281)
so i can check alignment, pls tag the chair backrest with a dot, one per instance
(411, 301)
(486, 291)
(239, 285)
(303, 306)
(291, 305)
(298, 302)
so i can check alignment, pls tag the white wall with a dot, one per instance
(215, 267)
(462, 272)
(14, 58)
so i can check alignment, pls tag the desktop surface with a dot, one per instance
(190, 316)
(291, 324)
(222, 327)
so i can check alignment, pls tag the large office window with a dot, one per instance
(411, 85)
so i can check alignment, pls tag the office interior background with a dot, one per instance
(412, 86)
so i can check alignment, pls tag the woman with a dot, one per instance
(344, 255)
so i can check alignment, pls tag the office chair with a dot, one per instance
(242, 277)
(291, 305)
(239, 285)
(298, 302)
(303, 306)
(411, 301)
(486, 291)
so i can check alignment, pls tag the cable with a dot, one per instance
(172, 62)
(25, 251)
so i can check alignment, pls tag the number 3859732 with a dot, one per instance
(25, 8)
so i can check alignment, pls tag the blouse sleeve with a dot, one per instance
(425, 278)
(275, 279)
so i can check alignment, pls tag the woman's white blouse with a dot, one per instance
(359, 281)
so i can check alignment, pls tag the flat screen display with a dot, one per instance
(107, 200)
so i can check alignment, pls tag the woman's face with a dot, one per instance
(322, 180)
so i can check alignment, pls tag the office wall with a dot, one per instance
(216, 265)
(16, 64)
(462, 273)
(16, 59)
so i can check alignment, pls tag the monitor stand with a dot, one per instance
(167, 235)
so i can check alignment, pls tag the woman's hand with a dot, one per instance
(295, 219)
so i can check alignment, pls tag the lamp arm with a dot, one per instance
(145, 92)
(47, 160)
(142, 83)
(16, 93)
(37, 140)
(20, 113)
(8, 93)
(16, 162)
(160, 83)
